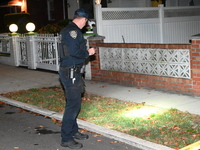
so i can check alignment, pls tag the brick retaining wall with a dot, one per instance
(176, 85)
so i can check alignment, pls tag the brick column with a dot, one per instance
(195, 63)
(95, 60)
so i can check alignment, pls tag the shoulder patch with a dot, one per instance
(73, 34)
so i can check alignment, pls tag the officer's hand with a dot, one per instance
(92, 51)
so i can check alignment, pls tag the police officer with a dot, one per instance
(73, 53)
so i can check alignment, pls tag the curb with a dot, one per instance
(122, 137)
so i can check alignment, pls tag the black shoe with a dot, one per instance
(72, 144)
(80, 136)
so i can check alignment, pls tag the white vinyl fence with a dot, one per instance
(148, 24)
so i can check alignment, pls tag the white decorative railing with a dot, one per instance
(47, 52)
(35, 51)
(22, 51)
(161, 62)
(5, 42)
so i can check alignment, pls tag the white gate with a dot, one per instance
(38, 51)
(47, 52)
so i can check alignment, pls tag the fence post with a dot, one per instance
(98, 18)
(161, 18)
(15, 51)
(31, 52)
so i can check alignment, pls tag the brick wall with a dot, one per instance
(176, 85)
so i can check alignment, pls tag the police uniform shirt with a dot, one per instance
(72, 38)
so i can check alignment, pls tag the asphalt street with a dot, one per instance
(24, 130)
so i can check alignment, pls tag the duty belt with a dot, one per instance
(71, 72)
(74, 69)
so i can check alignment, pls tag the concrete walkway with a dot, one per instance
(150, 97)
(18, 78)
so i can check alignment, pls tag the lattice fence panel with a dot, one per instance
(160, 62)
(181, 12)
(137, 14)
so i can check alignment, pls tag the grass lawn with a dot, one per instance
(169, 127)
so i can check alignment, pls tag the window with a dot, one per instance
(50, 9)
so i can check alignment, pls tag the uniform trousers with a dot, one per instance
(73, 92)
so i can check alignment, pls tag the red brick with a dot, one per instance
(195, 46)
(196, 87)
(197, 41)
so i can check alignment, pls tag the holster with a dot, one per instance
(71, 71)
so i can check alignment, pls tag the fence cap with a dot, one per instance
(196, 36)
(96, 37)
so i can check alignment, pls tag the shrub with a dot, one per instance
(54, 28)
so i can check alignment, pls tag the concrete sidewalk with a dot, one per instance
(150, 97)
(18, 78)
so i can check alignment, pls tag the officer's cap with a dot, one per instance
(82, 12)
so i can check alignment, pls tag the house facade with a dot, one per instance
(41, 12)
(148, 3)
(50, 11)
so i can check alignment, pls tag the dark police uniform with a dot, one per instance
(73, 53)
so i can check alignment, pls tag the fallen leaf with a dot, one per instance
(84, 99)
(101, 110)
(114, 142)
(165, 143)
(195, 135)
(2, 103)
(83, 119)
(82, 130)
(97, 135)
(22, 110)
(103, 86)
